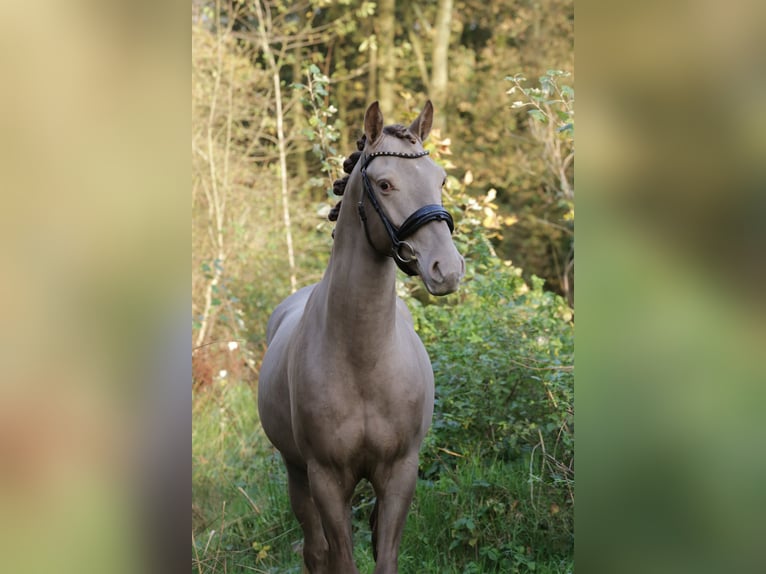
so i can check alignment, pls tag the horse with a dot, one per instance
(346, 388)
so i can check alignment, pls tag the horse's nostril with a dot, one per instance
(436, 272)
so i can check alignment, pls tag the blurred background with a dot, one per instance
(670, 306)
(94, 427)
(94, 128)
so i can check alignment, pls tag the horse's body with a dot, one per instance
(346, 387)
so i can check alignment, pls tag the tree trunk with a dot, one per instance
(217, 190)
(372, 83)
(440, 62)
(386, 45)
(299, 119)
(417, 50)
(341, 89)
(272, 63)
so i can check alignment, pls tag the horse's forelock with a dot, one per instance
(401, 132)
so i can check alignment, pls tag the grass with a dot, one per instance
(476, 516)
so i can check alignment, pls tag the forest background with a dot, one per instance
(279, 91)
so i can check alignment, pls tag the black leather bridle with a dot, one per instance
(425, 214)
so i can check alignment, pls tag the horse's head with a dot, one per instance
(403, 185)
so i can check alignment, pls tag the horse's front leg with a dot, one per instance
(394, 485)
(314, 544)
(331, 490)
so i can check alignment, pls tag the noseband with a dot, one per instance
(424, 215)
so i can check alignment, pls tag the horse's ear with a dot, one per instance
(373, 122)
(421, 127)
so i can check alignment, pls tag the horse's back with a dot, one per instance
(273, 393)
(290, 310)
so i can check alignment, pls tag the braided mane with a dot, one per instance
(339, 185)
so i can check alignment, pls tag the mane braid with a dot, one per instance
(339, 185)
(401, 132)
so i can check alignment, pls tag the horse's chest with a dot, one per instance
(344, 413)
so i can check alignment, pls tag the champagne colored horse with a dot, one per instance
(346, 389)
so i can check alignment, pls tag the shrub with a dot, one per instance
(502, 355)
(502, 351)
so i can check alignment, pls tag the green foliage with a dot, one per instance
(502, 375)
(551, 102)
(502, 351)
(240, 506)
(488, 523)
(476, 516)
(541, 241)
(322, 131)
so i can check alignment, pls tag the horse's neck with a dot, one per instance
(360, 285)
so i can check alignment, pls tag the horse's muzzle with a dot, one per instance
(442, 276)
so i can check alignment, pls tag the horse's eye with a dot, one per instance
(384, 185)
